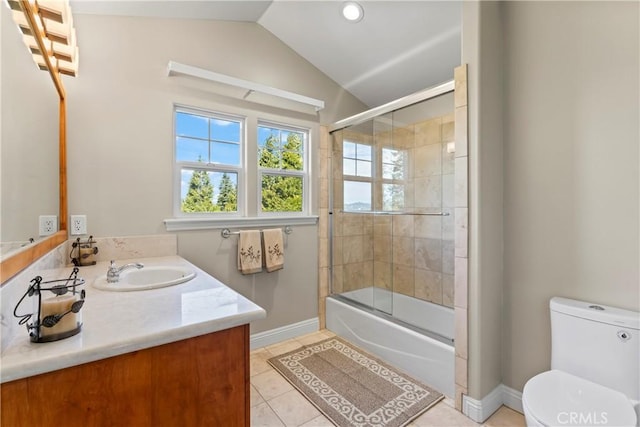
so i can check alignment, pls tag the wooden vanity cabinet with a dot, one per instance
(201, 381)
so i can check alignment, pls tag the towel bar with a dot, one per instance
(226, 233)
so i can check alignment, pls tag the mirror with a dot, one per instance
(31, 139)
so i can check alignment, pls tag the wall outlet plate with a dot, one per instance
(78, 225)
(48, 224)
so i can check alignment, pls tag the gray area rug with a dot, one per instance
(353, 388)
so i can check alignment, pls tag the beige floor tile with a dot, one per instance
(506, 417)
(320, 421)
(256, 398)
(283, 347)
(293, 409)
(443, 415)
(258, 365)
(270, 384)
(263, 416)
(312, 338)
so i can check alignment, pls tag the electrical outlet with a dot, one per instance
(78, 225)
(48, 224)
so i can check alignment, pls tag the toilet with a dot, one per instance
(595, 368)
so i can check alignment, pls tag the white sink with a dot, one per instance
(145, 278)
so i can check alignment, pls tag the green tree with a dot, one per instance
(200, 194)
(227, 195)
(281, 193)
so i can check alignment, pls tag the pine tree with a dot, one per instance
(227, 195)
(282, 193)
(200, 195)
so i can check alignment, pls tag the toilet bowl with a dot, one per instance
(595, 375)
(557, 398)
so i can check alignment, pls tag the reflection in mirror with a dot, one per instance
(29, 142)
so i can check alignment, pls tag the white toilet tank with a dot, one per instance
(597, 343)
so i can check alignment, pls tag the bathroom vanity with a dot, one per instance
(177, 355)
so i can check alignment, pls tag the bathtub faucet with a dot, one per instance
(113, 274)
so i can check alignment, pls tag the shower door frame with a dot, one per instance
(415, 98)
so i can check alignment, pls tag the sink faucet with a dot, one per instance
(113, 274)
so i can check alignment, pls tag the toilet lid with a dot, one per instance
(558, 398)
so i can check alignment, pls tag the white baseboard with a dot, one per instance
(273, 336)
(480, 410)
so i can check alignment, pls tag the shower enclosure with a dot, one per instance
(392, 233)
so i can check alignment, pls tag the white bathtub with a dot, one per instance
(430, 359)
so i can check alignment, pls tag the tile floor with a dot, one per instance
(275, 403)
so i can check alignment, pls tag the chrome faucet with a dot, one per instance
(113, 274)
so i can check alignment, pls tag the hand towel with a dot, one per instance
(273, 249)
(249, 252)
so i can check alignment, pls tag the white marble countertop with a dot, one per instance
(115, 323)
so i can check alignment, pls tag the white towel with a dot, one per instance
(249, 252)
(273, 248)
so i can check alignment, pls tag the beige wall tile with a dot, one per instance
(382, 249)
(428, 132)
(403, 279)
(428, 254)
(461, 283)
(461, 231)
(403, 225)
(323, 171)
(461, 128)
(323, 252)
(460, 77)
(429, 226)
(461, 200)
(448, 132)
(353, 249)
(460, 391)
(428, 192)
(461, 371)
(428, 285)
(382, 274)
(448, 224)
(323, 197)
(323, 222)
(337, 280)
(447, 290)
(448, 257)
(448, 160)
(461, 336)
(448, 190)
(352, 225)
(404, 251)
(427, 161)
(382, 225)
(337, 250)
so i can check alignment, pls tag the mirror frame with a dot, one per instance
(12, 265)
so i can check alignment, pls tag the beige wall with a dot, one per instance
(120, 137)
(481, 50)
(553, 115)
(571, 167)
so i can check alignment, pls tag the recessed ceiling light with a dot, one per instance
(352, 11)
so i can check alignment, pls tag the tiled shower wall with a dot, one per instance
(411, 254)
(380, 229)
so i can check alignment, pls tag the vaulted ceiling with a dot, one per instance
(398, 48)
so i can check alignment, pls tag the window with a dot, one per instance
(281, 168)
(208, 153)
(357, 168)
(361, 177)
(218, 169)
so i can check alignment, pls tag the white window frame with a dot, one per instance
(360, 178)
(178, 166)
(304, 173)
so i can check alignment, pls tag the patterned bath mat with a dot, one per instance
(353, 388)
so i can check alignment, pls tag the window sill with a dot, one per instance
(184, 224)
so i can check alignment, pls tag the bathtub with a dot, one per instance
(426, 352)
